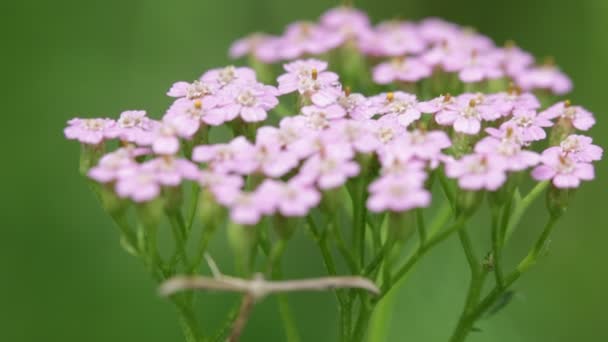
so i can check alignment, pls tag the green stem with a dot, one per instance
(179, 234)
(496, 247)
(344, 251)
(522, 206)
(193, 206)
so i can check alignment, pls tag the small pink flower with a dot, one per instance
(171, 171)
(302, 38)
(329, 170)
(397, 194)
(189, 116)
(262, 46)
(403, 106)
(218, 182)
(507, 102)
(270, 159)
(437, 31)
(133, 126)
(347, 21)
(246, 208)
(478, 172)
(515, 158)
(308, 78)
(249, 101)
(426, 145)
(393, 39)
(355, 106)
(546, 77)
(88, 131)
(528, 125)
(580, 118)
(226, 158)
(319, 118)
(562, 169)
(354, 132)
(409, 69)
(229, 75)
(192, 91)
(386, 129)
(437, 104)
(139, 185)
(581, 149)
(474, 67)
(513, 60)
(467, 113)
(114, 164)
(165, 139)
(290, 199)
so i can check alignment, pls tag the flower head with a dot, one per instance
(88, 131)
(478, 172)
(578, 116)
(563, 169)
(397, 194)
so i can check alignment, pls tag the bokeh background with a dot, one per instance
(63, 276)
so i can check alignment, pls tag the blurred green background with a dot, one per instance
(65, 278)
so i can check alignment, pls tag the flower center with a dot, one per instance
(227, 75)
(197, 90)
(385, 134)
(570, 145)
(566, 164)
(246, 99)
(93, 124)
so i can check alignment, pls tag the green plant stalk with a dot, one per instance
(522, 206)
(497, 247)
(482, 306)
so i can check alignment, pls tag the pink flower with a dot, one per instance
(290, 199)
(318, 118)
(270, 159)
(473, 66)
(466, 114)
(88, 131)
(437, 104)
(133, 126)
(546, 77)
(514, 157)
(356, 133)
(477, 172)
(138, 185)
(355, 106)
(409, 69)
(347, 21)
(226, 158)
(329, 169)
(436, 30)
(229, 75)
(114, 164)
(218, 182)
(506, 102)
(398, 194)
(528, 125)
(580, 118)
(171, 171)
(245, 207)
(562, 169)
(386, 129)
(249, 101)
(513, 60)
(189, 116)
(192, 91)
(262, 46)
(309, 79)
(426, 145)
(302, 38)
(393, 39)
(403, 106)
(581, 149)
(165, 139)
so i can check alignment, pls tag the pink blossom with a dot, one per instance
(192, 91)
(189, 116)
(403, 106)
(88, 131)
(437, 31)
(139, 185)
(245, 207)
(580, 118)
(515, 158)
(165, 139)
(562, 169)
(581, 149)
(171, 171)
(506, 102)
(393, 39)
(270, 159)
(478, 171)
(528, 125)
(355, 106)
(133, 126)
(226, 158)
(386, 129)
(409, 69)
(546, 77)
(397, 194)
(218, 182)
(249, 101)
(426, 145)
(261, 46)
(309, 79)
(466, 114)
(473, 66)
(329, 169)
(290, 199)
(318, 118)
(513, 60)
(356, 133)
(437, 104)
(302, 38)
(229, 75)
(347, 21)
(112, 165)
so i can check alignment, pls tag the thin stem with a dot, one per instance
(344, 251)
(421, 226)
(242, 318)
(497, 248)
(193, 206)
(179, 234)
(378, 258)
(522, 206)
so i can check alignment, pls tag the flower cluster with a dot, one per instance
(407, 51)
(336, 134)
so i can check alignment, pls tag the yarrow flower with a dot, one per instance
(88, 131)
(563, 169)
(478, 172)
(577, 116)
